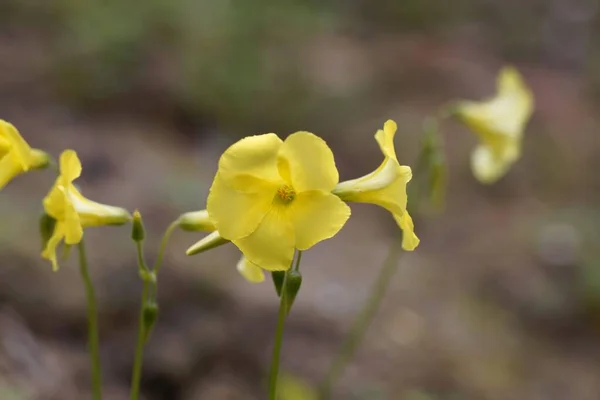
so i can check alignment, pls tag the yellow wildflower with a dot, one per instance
(499, 122)
(385, 187)
(200, 221)
(270, 197)
(16, 157)
(72, 211)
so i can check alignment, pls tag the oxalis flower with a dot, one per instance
(499, 123)
(72, 211)
(385, 187)
(270, 197)
(16, 157)
(199, 221)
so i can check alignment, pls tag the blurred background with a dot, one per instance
(502, 299)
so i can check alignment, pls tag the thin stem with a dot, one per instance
(362, 322)
(161, 255)
(163, 246)
(92, 315)
(139, 349)
(298, 259)
(274, 373)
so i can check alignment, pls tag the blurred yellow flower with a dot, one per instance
(72, 211)
(16, 157)
(385, 187)
(499, 123)
(270, 197)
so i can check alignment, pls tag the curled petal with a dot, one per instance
(271, 245)
(70, 166)
(49, 252)
(317, 216)
(252, 272)
(306, 163)
(385, 139)
(410, 241)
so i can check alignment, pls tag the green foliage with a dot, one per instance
(234, 60)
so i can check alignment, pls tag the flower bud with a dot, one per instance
(196, 221)
(149, 317)
(209, 242)
(278, 277)
(292, 286)
(137, 231)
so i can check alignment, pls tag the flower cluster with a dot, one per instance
(272, 196)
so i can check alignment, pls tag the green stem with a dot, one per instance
(139, 349)
(362, 322)
(274, 373)
(161, 254)
(163, 246)
(92, 315)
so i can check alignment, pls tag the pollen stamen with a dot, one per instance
(286, 193)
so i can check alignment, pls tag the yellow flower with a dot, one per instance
(16, 157)
(200, 221)
(72, 211)
(270, 197)
(499, 122)
(385, 187)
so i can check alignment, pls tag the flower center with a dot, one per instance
(286, 193)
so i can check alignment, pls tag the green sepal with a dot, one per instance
(278, 278)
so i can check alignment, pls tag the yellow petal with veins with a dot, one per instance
(305, 162)
(271, 245)
(316, 216)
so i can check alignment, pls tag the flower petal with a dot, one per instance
(18, 146)
(271, 245)
(237, 214)
(317, 216)
(385, 139)
(251, 159)
(71, 221)
(386, 187)
(488, 165)
(410, 241)
(92, 213)
(306, 163)
(49, 252)
(70, 166)
(252, 272)
(9, 169)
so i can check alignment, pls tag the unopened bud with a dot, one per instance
(209, 242)
(150, 315)
(137, 231)
(196, 221)
(292, 286)
(278, 277)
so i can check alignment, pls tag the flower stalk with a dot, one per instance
(362, 322)
(92, 316)
(285, 304)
